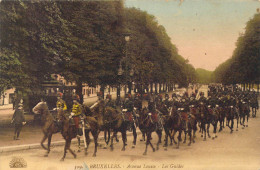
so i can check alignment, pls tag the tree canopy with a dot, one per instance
(244, 65)
(84, 42)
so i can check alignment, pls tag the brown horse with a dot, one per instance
(114, 120)
(148, 125)
(49, 127)
(69, 131)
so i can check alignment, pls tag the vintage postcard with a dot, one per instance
(129, 84)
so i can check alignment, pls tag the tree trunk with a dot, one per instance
(118, 93)
(129, 87)
(151, 87)
(79, 91)
(160, 87)
(102, 89)
(156, 89)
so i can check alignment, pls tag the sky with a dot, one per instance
(204, 31)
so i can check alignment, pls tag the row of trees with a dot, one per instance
(244, 66)
(84, 42)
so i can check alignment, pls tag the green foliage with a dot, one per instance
(244, 66)
(204, 76)
(84, 42)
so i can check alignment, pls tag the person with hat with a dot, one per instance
(76, 112)
(167, 102)
(61, 104)
(18, 120)
(138, 102)
(110, 102)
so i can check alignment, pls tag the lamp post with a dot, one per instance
(120, 69)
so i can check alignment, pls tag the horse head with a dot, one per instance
(41, 108)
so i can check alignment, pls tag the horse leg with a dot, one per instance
(65, 150)
(68, 147)
(172, 136)
(150, 134)
(189, 133)
(237, 122)
(208, 130)
(159, 133)
(124, 139)
(147, 143)
(49, 143)
(194, 131)
(170, 139)
(214, 130)
(43, 139)
(78, 143)
(179, 139)
(204, 131)
(111, 145)
(247, 120)
(107, 142)
(116, 138)
(135, 136)
(95, 136)
(166, 138)
(87, 140)
(232, 124)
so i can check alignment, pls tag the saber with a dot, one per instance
(83, 130)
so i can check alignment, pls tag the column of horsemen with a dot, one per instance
(180, 113)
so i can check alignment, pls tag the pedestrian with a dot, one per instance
(18, 120)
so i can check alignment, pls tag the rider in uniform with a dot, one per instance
(129, 106)
(61, 104)
(110, 102)
(167, 102)
(76, 112)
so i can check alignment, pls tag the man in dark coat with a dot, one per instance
(18, 120)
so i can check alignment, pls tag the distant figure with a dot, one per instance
(18, 120)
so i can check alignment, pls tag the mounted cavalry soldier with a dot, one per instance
(167, 102)
(154, 112)
(109, 102)
(128, 108)
(61, 104)
(138, 102)
(76, 113)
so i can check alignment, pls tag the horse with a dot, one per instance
(149, 124)
(204, 119)
(114, 120)
(244, 111)
(214, 118)
(69, 131)
(231, 114)
(48, 125)
(97, 111)
(221, 116)
(254, 105)
(131, 120)
(178, 124)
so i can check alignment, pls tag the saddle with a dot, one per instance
(129, 116)
(184, 116)
(155, 117)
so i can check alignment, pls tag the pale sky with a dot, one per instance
(204, 31)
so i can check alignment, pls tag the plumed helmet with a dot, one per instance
(60, 94)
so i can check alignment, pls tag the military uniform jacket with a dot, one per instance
(129, 105)
(77, 109)
(61, 104)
